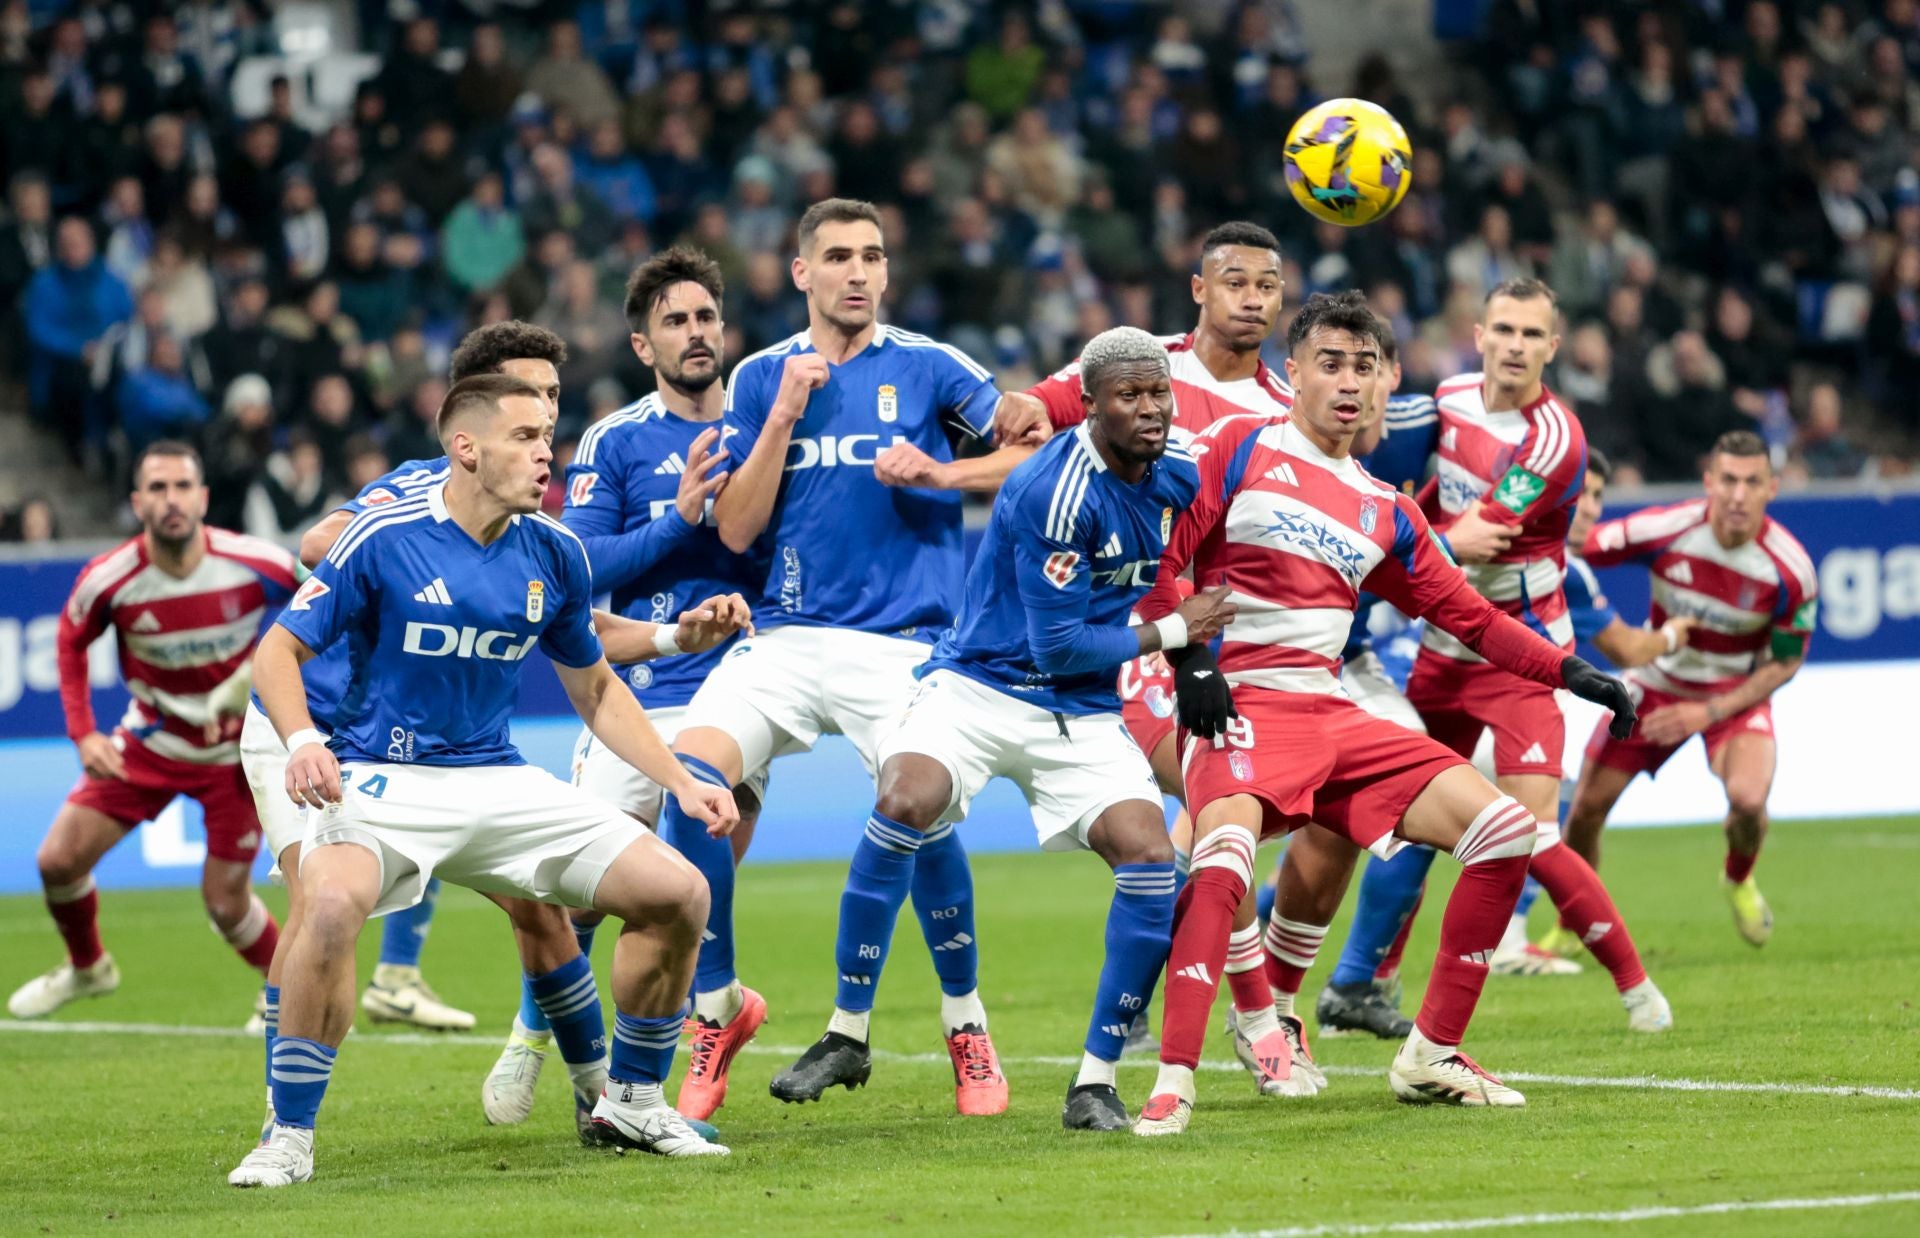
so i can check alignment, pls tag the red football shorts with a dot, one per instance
(1458, 700)
(1146, 701)
(1311, 757)
(233, 828)
(1636, 755)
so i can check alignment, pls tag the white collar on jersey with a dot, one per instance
(1085, 435)
(437, 504)
(1300, 445)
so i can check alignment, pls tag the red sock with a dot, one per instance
(1587, 909)
(1202, 922)
(1291, 947)
(255, 937)
(77, 916)
(1740, 867)
(1476, 913)
(1245, 976)
(1390, 965)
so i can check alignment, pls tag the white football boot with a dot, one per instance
(44, 994)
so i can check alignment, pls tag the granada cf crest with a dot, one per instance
(1241, 765)
(1369, 514)
(889, 403)
(536, 600)
(1166, 524)
(1159, 704)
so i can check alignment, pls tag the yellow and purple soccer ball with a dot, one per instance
(1348, 162)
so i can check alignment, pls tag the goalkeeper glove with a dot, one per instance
(1200, 692)
(1589, 684)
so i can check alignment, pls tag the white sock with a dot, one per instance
(1282, 1002)
(1424, 1050)
(719, 1005)
(644, 1095)
(1257, 1023)
(850, 1023)
(589, 1078)
(395, 975)
(1094, 1070)
(1515, 937)
(1645, 986)
(958, 1012)
(523, 1032)
(1175, 1079)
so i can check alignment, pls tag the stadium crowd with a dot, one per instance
(1723, 195)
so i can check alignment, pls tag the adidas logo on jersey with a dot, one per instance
(1112, 547)
(435, 594)
(959, 941)
(1535, 755)
(1196, 971)
(1597, 930)
(672, 465)
(1681, 573)
(846, 979)
(145, 623)
(1114, 1029)
(1283, 475)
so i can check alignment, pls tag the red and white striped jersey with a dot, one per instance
(1296, 536)
(1199, 399)
(183, 641)
(1745, 598)
(1529, 464)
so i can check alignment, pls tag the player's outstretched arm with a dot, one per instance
(616, 720)
(1021, 420)
(98, 757)
(313, 773)
(1627, 646)
(627, 641)
(317, 541)
(903, 464)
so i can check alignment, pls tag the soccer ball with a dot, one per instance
(1348, 162)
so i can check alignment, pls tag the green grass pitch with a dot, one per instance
(132, 1129)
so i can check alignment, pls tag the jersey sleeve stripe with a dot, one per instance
(1787, 549)
(1550, 447)
(907, 339)
(370, 522)
(551, 523)
(100, 578)
(641, 409)
(1067, 493)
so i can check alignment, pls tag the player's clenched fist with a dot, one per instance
(1477, 539)
(710, 805)
(801, 376)
(1020, 420)
(313, 776)
(903, 464)
(696, 486)
(1206, 613)
(711, 622)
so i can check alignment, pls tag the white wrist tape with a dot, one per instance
(300, 739)
(1173, 631)
(666, 640)
(1673, 636)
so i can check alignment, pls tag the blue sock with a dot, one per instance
(1263, 900)
(583, 933)
(273, 1024)
(877, 884)
(569, 998)
(1180, 861)
(405, 932)
(531, 1016)
(1139, 934)
(643, 1048)
(297, 1071)
(943, 899)
(1528, 893)
(1388, 893)
(714, 858)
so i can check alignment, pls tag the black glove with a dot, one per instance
(1589, 684)
(1200, 692)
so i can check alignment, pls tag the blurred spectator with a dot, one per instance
(204, 224)
(412, 82)
(376, 294)
(237, 446)
(1823, 447)
(412, 431)
(291, 492)
(564, 79)
(615, 175)
(184, 285)
(128, 230)
(314, 339)
(70, 304)
(33, 523)
(1001, 75)
(159, 400)
(306, 240)
(487, 84)
(482, 239)
(595, 332)
(1042, 177)
(865, 156)
(367, 462)
(434, 178)
(242, 343)
(1489, 258)
(1585, 264)
(1893, 338)
(332, 417)
(682, 175)
(1689, 408)
(26, 245)
(559, 203)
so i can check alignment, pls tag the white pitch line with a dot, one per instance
(1652, 1083)
(1622, 1217)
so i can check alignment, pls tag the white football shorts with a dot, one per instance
(1071, 769)
(600, 773)
(1373, 690)
(780, 691)
(499, 829)
(264, 759)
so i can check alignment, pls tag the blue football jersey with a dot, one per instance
(435, 627)
(1588, 607)
(1402, 459)
(1069, 550)
(841, 549)
(620, 500)
(326, 674)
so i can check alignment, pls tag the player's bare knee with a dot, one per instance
(1747, 799)
(1124, 835)
(60, 864)
(1502, 830)
(913, 792)
(334, 916)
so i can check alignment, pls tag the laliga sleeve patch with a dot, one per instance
(580, 489)
(1440, 544)
(379, 496)
(1060, 567)
(1518, 489)
(1806, 616)
(308, 594)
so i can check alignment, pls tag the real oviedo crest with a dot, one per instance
(889, 405)
(1369, 514)
(536, 600)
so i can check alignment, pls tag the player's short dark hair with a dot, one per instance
(481, 393)
(1743, 443)
(1599, 465)
(169, 447)
(486, 349)
(834, 211)
(1388, 339)
(1238, 232)
(683, 264)
(1333, 311)
(1524, 288)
